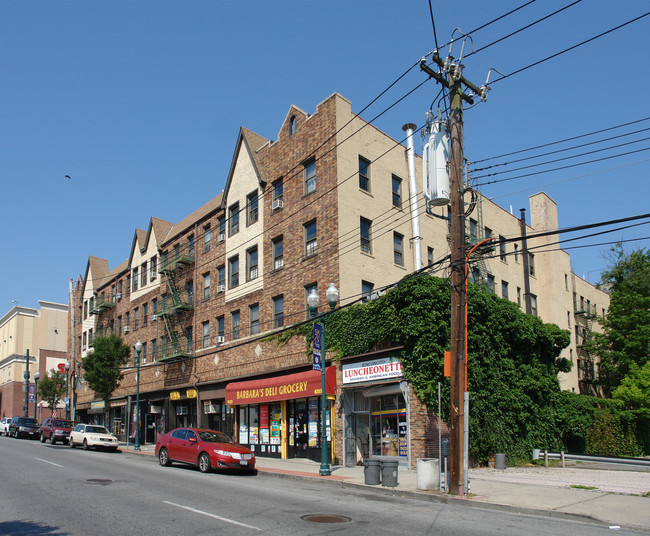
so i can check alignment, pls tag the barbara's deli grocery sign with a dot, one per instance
(378, 369)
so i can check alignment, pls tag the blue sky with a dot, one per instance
(140, 102)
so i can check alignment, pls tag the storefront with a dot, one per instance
(281, 416)
(375, 410)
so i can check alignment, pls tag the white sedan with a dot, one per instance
(92, 436)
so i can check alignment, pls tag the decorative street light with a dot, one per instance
(67, 400)
(138, 349)
(37, 376)
(332, 295)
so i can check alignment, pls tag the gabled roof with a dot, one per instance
(293, 110)
(98, 267)
(251, 142)
(211, 206)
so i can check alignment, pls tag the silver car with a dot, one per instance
(4, 425)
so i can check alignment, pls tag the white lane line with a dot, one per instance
(51, 463)
(225, 520)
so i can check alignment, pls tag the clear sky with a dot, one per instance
(140, 103)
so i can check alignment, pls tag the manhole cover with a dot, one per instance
(325, 518)
(99, 481)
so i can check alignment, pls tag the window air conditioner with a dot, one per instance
(221, 237)
(219, 339)
(277, 204)
(181, 410)
(154, 318)
(155, 409)
(221, 288)
(210, 408)
(126, 329)
(119, 295)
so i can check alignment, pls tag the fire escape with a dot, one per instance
(176, 304)
(583, 320)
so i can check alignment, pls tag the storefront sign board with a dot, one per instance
(377, 369)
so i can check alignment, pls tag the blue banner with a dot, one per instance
(318, 333)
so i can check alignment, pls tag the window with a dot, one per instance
(490, 283)
(568, 319)
(190, 246)
(145, 314)
(308, 289)
(310, 177)
(119, 289)
(154, 350)
(531, 264)
(154, 306)
(366, 290)
(488, 232)
(473, 231)
(127, 321)
(254, 319)
(533, 305)
(83, 339)
(502, 248)
(251, 264)
(292, 125)
(136, 318)
(221, 277)
(519, 296)
(566, 281)
(85, 309)
(189, 339)
(206, 286)
(278, 250)
(397, 191)
(221, 326)
(516, 252)
(233, 269)
(398, 249)
(134, 279)
(252, 208)
(205, 328)
(429, 256)
(278, 311)
(235, 324)
(207, 236)
(189, 289)
(504, 290)
(278, 190)
(364, 174)
(476, 275)
(311, 244)
(143, 354)
(364, 232)
(221, 224)
(233, 219)
(143, 275)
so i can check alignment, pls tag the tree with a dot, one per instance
(634, 390)
(52, 388)
(625, 340)
(102, 366)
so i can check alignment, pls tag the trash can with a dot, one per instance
(499, 461)
(428, 473)
(389, 473)
(536, 453)
(371, 471)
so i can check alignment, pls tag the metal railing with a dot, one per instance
(563, 456)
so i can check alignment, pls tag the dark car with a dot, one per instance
(206, 449)
(56, 430)
(23, 427)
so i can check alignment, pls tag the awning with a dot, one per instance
(300, 385)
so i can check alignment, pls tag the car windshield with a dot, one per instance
(96, 429)
(65, 424)
(212, 436)
(27, 420)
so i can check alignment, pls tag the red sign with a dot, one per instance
(61, 367)
(264, 416)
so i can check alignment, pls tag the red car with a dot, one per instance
(206, 449)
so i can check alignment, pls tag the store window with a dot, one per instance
(388, 426)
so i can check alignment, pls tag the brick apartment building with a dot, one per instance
(328, 201)
(43, 334)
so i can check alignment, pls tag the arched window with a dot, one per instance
(292, 125)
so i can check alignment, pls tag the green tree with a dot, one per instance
(51, 388)
(634, 390)
(625, 340)
(102, 366)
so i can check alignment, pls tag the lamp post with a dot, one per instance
(37, 376)
(67, 400)
(332, 295)
(138, 349)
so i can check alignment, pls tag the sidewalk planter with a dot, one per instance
(428, 473)
(499, 461)
(371, 472)
(389, 473)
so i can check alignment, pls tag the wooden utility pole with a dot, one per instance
(454, 82)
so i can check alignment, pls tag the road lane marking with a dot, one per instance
(225, 520)
(51, 463)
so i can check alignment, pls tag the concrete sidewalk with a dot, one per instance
(550, 491)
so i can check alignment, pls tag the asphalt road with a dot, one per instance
(55, 490)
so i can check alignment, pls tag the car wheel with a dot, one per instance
(85, 445)
(52, 440)
(163, 458)
(204, 463)
(42, 437)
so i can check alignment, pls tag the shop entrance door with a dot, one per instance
(350, 435)
(150, 431)
(300, 429)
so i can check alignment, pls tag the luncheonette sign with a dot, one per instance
(377, 369)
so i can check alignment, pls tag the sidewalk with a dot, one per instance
(617, 501)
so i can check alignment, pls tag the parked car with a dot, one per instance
(4, 425)
(24, 427)
(56, 430)
(92, 436)
(206, 449)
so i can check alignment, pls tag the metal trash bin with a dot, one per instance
(389, 473)
(371, 472)
(499, 461)
(428, 473)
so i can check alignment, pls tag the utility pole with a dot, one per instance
(454, 82)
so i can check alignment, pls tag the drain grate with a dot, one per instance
(325, 518)
(99, 481)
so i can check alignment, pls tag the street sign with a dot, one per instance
(318, 333)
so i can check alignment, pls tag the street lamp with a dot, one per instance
(138, 349)
(37, 376)
(332, 295)
(67, 400)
